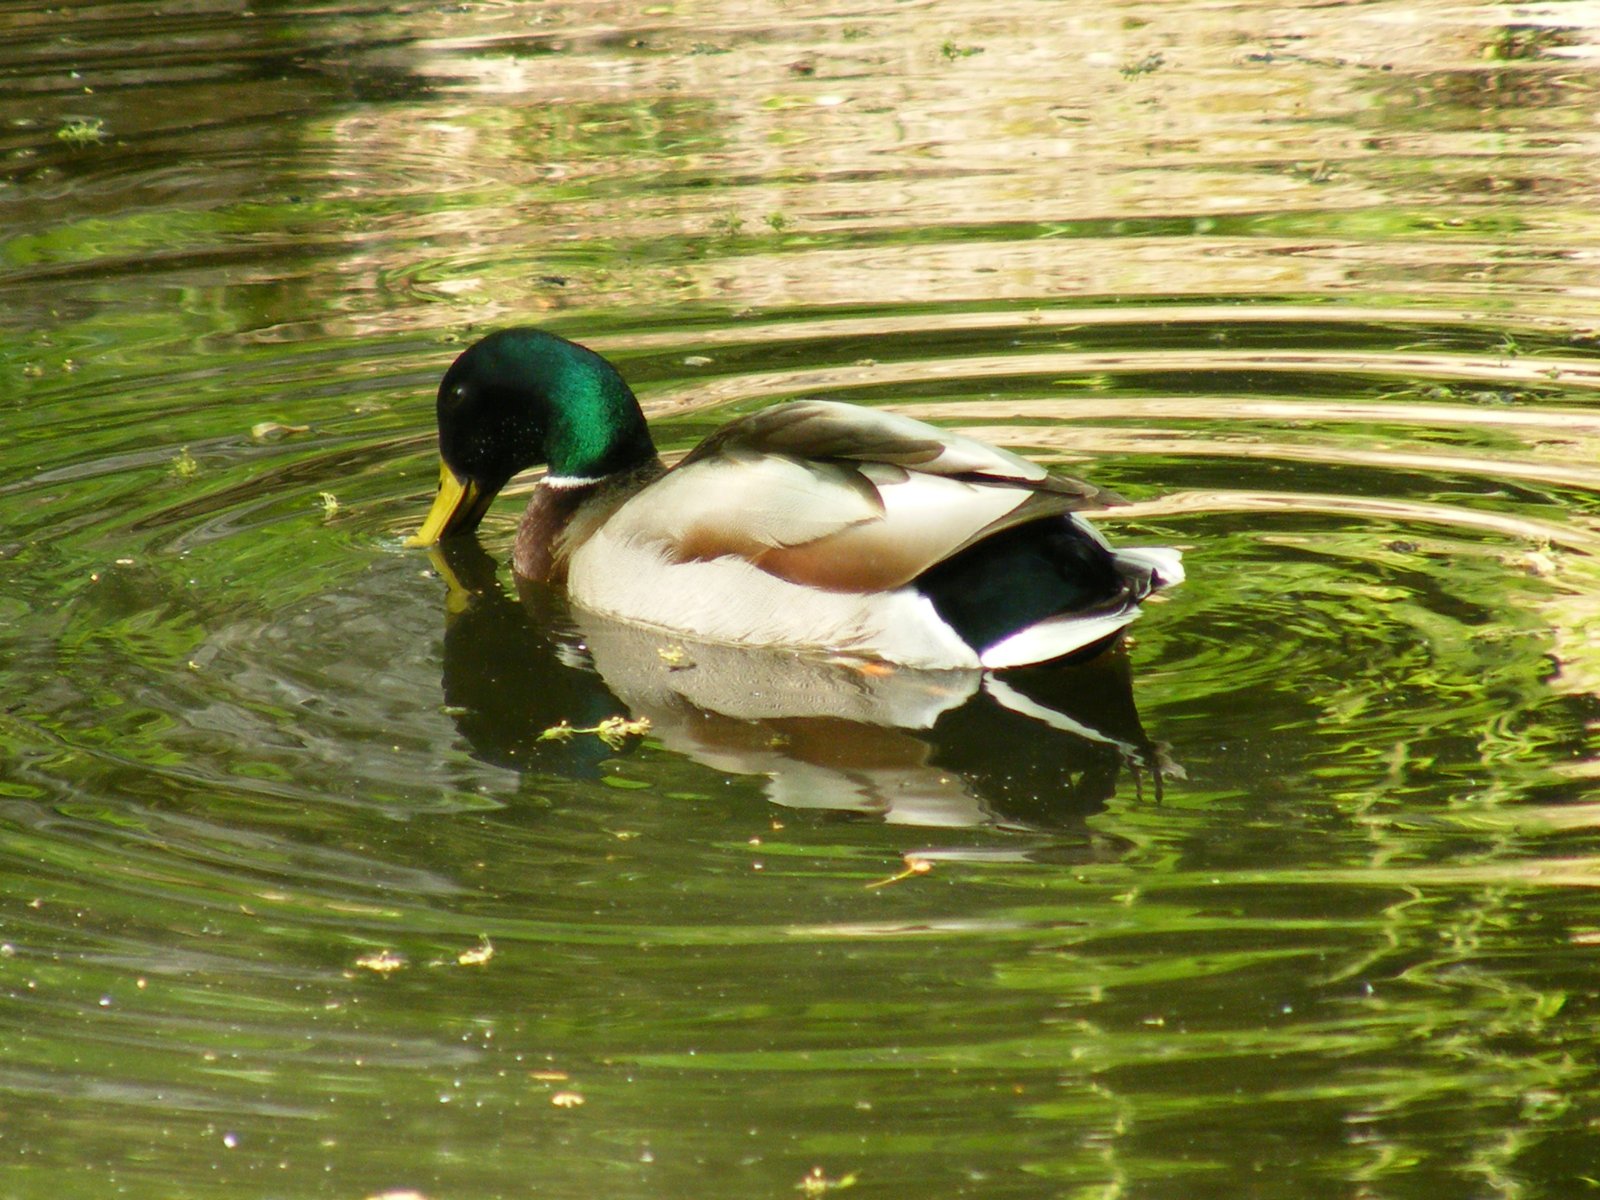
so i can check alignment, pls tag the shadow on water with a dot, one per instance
(908, 747)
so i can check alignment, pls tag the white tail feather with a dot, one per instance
(1165, 565)
(1055, 637)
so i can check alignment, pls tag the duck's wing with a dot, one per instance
(840, 498)
(828, 429)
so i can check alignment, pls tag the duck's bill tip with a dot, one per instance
(455, 502)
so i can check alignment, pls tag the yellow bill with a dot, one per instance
(460, 503)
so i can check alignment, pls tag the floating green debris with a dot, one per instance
(1148, 65)
(815, 1183)
(727, 224)
(271, 431)
(83, 131)
(613, 731)
(382, 962)
(914, 866)
(675, 657)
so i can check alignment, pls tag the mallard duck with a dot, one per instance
(814, 525)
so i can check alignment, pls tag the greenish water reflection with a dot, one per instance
(1298, 902)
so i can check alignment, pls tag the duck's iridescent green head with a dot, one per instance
(518, 398)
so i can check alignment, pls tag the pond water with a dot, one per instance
(1294, 897)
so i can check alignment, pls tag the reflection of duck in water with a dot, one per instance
(911, 747)
(1041, 749)
(812, 525)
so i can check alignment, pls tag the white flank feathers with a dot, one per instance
(729, 600)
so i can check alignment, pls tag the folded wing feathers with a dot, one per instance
(746, 504)
(830, 429)
(843, 497)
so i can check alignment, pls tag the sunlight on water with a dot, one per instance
(1292, 897)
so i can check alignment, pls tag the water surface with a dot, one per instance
(1292, 898)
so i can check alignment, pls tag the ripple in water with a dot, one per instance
(291, 869)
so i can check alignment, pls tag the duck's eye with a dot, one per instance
(456, 396)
